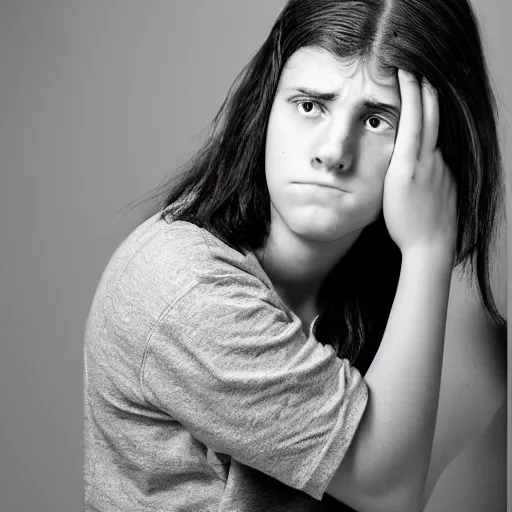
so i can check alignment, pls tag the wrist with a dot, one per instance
(429, 257)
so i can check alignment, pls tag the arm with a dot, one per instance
(477, 479)
(231, 366)
(473, 386)
(386, 465)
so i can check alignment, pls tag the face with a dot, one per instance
(329, 142)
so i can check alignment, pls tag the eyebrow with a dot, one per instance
(369, 104)
(386, 107)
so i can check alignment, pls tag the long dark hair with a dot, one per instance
(223, 187)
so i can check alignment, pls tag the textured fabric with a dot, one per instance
(202, 390)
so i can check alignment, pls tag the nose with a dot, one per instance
(334, 151)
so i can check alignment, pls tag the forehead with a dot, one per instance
(316, 68)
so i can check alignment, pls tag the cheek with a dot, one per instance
(376, 156)
(283, 149)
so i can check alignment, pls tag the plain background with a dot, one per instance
(99, 100)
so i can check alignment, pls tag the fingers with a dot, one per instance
(408, 139)
(430, 124)
(419, 119)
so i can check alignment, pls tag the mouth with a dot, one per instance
(321, 185)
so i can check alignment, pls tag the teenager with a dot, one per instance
(309, 243)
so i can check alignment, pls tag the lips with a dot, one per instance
(320, 184)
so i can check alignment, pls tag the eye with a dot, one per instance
(309, 108)
(378, 124)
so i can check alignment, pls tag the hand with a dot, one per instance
(420, 196)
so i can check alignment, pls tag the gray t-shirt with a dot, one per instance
(202, 389)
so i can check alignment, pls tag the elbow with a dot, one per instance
(392, 501)
(401, 494)
(404, 501)
(380, 495)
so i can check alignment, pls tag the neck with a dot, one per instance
(298, 266)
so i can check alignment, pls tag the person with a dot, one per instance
(271, 336)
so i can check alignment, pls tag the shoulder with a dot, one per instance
(161, 259)
(165, 270)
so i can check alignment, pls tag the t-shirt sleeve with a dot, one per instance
(240, 374)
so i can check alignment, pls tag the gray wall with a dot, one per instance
(98, 100)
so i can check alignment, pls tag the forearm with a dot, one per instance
(390, 452)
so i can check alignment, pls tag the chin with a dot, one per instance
(322, 232)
